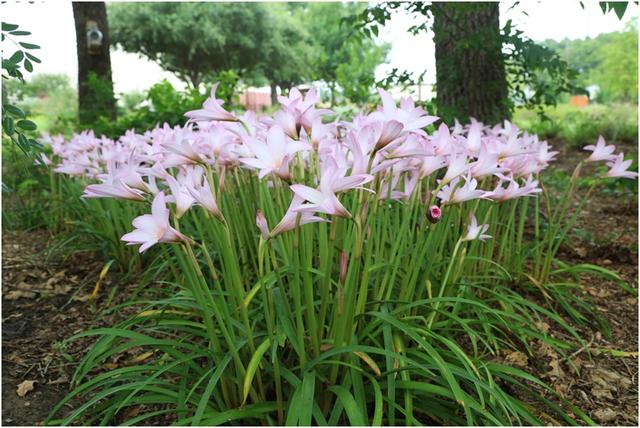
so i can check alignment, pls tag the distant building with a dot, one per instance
(255, 100)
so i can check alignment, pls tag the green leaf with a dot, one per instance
(16, 57)
(350, 406)
(13, 110)
(9, 27)
(27, 125)
(33, 58)
(29, 45)
(8, 126)
(252, 367)
(20, 33)
(28, 66)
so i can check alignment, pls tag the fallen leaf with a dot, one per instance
(61, 379)
(517, 359)
(17, 294)
(81, 298)
(542, 326)
(605, 415)
(25, 387)
(556, 370)
(602, 393)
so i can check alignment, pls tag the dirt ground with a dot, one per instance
(45, 300)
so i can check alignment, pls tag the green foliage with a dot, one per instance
(609, 61)
(537, 76)
(15, 124)
(581, 126)
(49, 98)
(356, 76)
(192, 40)
(162, 104)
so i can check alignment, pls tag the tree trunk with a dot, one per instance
(274, 93)
(470, 72)
(95, 86)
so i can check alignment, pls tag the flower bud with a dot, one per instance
(434, 213)
(261, 222)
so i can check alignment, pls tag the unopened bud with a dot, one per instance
(261, 222)
(434, 213)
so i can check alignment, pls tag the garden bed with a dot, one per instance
(45, 299)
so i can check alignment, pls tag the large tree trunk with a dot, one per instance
(470, 72)
(95, 86)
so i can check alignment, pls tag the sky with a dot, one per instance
(52, 27)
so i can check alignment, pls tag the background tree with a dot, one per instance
(287, 52)
(609, 61)
(95, 86)
(336, 45)
(482, 70)
(470, 72)
(192, 40)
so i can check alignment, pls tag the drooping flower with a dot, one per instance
(154, 228)
(600, 152)
(113, 189)
(180, 195)
(454, 194)
(619, 168)
(456, 167)
(212, 110)
(294, 217)
(475, 231)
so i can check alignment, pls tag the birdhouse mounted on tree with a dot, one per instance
(94, 38)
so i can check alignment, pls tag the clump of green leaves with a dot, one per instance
(15, 124)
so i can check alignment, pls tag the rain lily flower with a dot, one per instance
(600, 152)
(113, 189)
(452, 194)
(272, 155)
(180, 195)
(618, 168)
(475, 231)
(294, 217)
(212, 110)
(154, 228)
(410, 117)
(457, 166)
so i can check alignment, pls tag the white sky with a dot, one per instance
(51, 23)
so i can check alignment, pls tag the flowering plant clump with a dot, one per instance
(324, 268)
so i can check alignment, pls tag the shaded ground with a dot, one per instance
(47, 300)
(44, 301)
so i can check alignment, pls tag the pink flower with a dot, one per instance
(153, 228)
(618, 168)
(452, 194)
(600, 152)
(274, 154)
(332, 181)
(212, 110)
(412, 118)
(434, 213)
(475, 231)
(113, 189)
(294, 217)
(180, 195)
(457, 166)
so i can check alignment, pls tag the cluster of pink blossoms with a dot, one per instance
(175, 164)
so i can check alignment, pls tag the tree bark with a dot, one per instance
(274, 93)
(470, 72)
(95, 85)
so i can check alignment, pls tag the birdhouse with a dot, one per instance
(94, 38)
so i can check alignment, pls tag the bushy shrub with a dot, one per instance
(580, 126)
